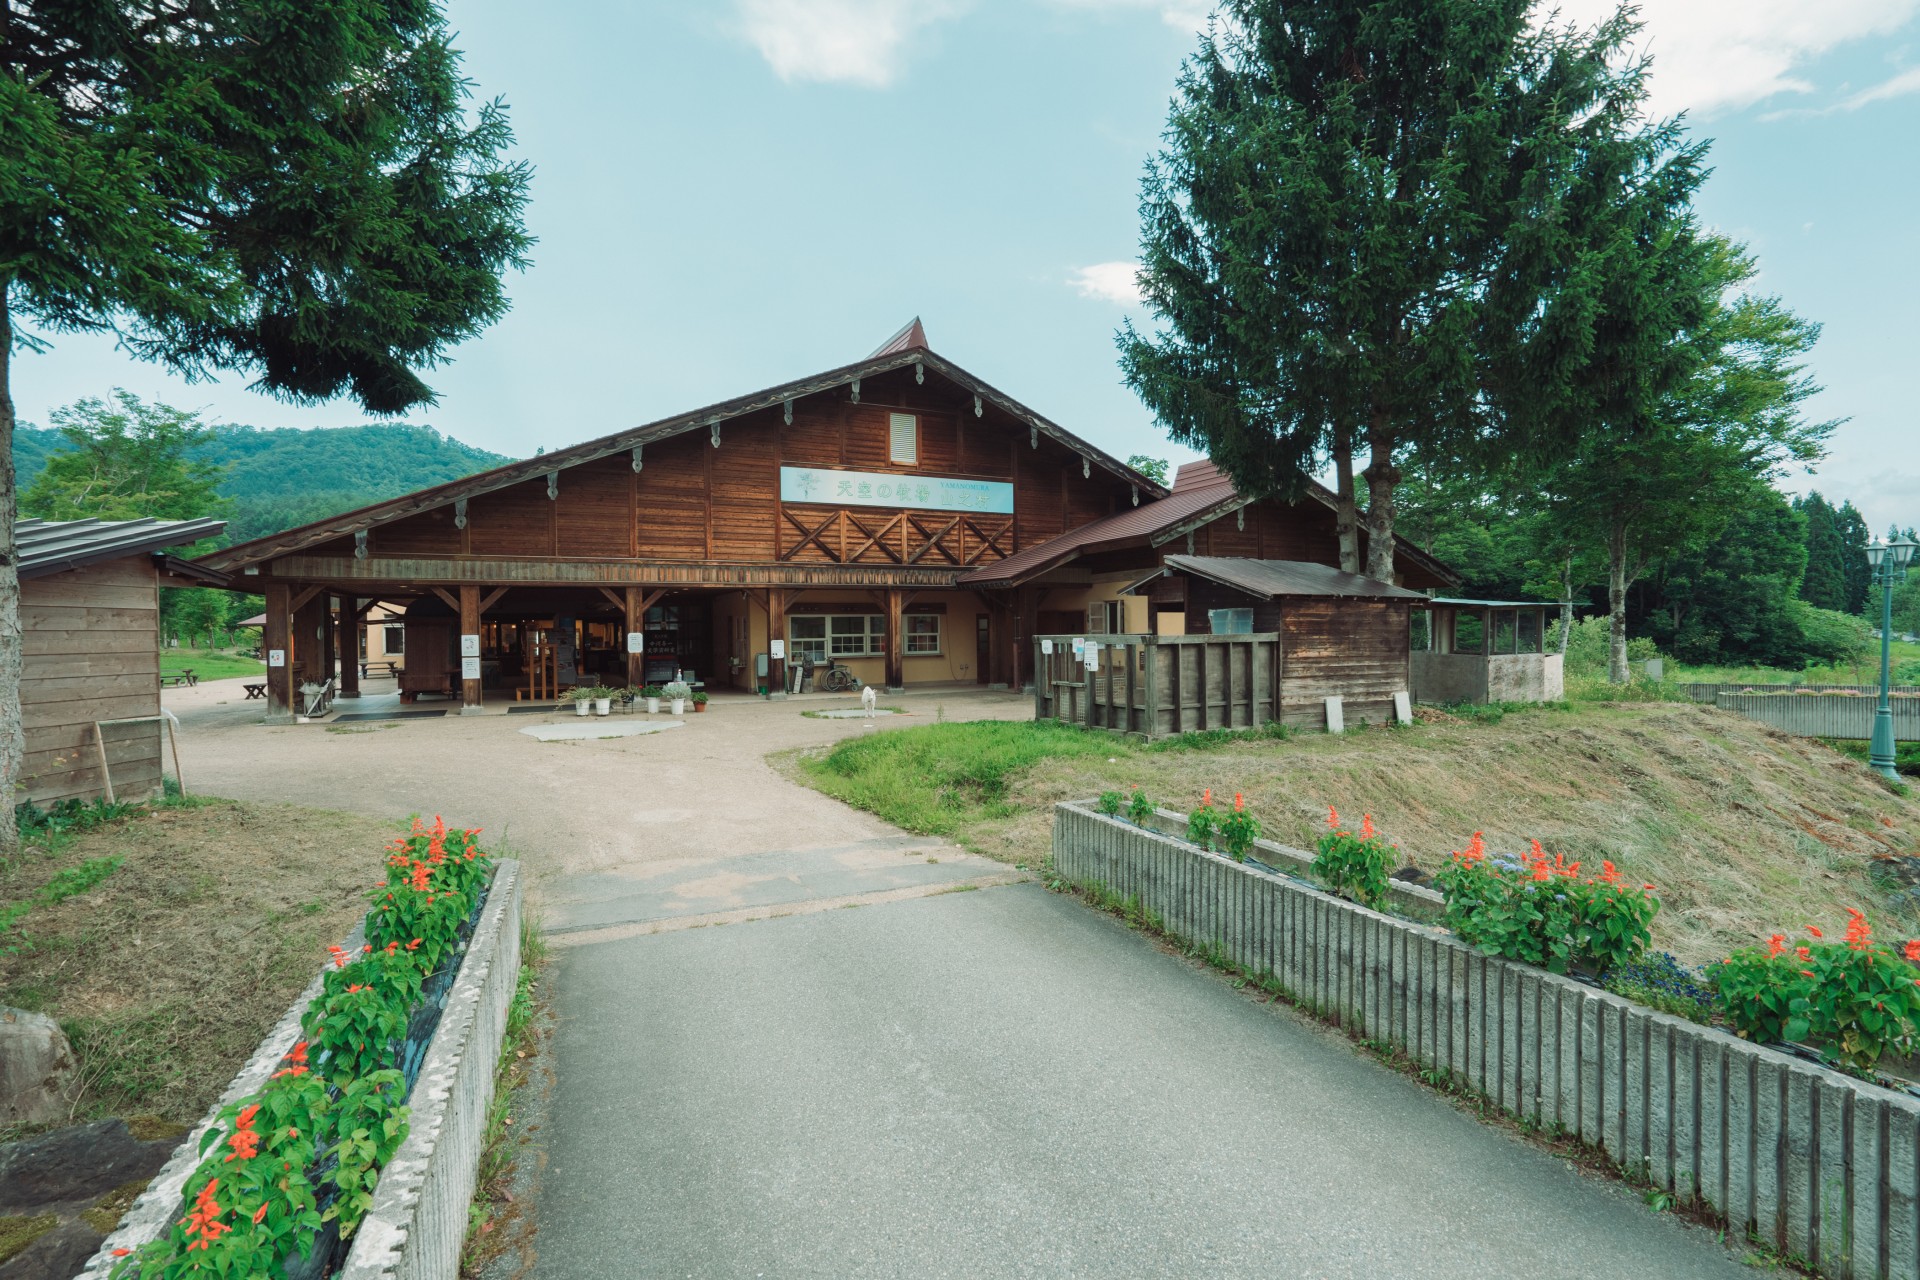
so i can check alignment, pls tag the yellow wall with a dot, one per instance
(1104, 587)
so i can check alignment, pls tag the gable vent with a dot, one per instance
(903, 438)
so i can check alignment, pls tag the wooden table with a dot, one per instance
(256, 690)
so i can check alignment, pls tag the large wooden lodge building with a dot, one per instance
(897, 515)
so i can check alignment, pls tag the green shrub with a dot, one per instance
(1354, 866)
(1239, 829)
(1857, 1000)
(1139, 808)
(1831, 636)
(1110, 803)
(1203, 822)
(1544, 911)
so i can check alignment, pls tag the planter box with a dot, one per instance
(1815, 1163)
(419, 1215)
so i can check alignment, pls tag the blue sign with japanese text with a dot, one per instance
(901, 492)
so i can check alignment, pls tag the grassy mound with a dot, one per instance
(1746, 831)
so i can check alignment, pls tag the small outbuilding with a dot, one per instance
(90, 642)
(1256, 641)
(1485, 651)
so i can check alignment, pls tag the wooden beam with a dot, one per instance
(896, 643)
(277, 634)
(453, 601)
(491, 598)
(776, 630)
(306, 595)
(352, 618)
(618, 599)
(472, 697)
(634, 604)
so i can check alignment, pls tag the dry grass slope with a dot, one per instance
(168, 972)
(1744, 829)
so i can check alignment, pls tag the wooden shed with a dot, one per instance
(90, 643)
(1486, 651)
(1265, 640)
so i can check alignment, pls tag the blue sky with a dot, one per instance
(734, 193)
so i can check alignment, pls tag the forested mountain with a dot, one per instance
(279, 478)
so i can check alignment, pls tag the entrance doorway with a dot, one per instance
(982, 646)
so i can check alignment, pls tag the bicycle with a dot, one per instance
(838, 679)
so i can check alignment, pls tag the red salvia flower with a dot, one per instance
(1333, 817)
(203, 1222)
(1366, 826)
(1859, 932)
(1803, 953)
(1912, 950)
(1815, 931)
(1777, 944)
(260, 1213)
(1239, 802)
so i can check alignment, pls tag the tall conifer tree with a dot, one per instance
(1364, 212)
(288, 189)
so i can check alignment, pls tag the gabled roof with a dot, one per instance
(906, 349)
(1269, 578)
(1201, 494)
(51, 546)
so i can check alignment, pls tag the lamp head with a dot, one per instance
(1876, 552)
(1901, 550)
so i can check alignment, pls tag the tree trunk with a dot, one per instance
(1618, 580)
(11, 745)
(1566, 602)
(1345, 518)
(1382, 478)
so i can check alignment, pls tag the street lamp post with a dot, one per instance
(1889, 561)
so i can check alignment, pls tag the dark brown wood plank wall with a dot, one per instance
(1356, 649)
(516, 521)
(746, 485)
(431, 533)
(595, 509)
(90, 651)
(673, 499)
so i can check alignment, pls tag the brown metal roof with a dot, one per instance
(911, 335)
(1201, 493)
(49, 546)
(893, 356)
(1286, 578)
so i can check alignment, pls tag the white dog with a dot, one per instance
(868, 699)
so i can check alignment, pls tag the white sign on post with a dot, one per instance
(1046, 646)
(469, 646)
(277, 657)
(1079, 646)
(470, 667)
(636, 642)
(1093, 657)
(777, 650)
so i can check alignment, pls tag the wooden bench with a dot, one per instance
(256, 690)
(174, 679)
(388, 668)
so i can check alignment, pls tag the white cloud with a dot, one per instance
(1110, 282)
(1716, 55)
(1899, 86)
(1188, 15)
(859, 42)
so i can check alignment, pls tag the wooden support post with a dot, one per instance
(776, 630)
(896, 643)
(277, 637)
(636, 612)
(472, 699)
(352, 636)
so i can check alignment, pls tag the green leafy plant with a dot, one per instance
(1139, 808)
(1203, 822)
(651, 691)
(700, 699)
(1239, 829)
(1543, 911)
(1109, 803)
(1354, 866)
(367, 1124)
(1856, 1000)
(676, 689)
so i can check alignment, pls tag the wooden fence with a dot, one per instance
(1830, 715)
(1156, 686)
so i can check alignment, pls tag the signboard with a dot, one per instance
(1093, 657)
(277, 658)
(777, 650)
(902, 493)
(469, 646)
(636, 642)
(1079, 645)
(470, 667)
(1046, 646)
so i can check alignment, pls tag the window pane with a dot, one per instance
(809, 652)
(806, 628)
(848, 626)
(903, 438)
(923, 633)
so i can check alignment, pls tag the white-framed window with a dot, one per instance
(923, 633)
(395, 638)
(1106, 618)
(807, 640)
(903, 438)
(813, 638)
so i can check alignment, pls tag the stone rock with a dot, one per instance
(83, 1162)
(37, 1068)
(1411, 874)
(57, 1255)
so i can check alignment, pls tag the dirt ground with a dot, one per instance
(168, 972)
(574, 812)
(1745, 830)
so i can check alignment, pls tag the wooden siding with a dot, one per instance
(90, 651)
(595, 518)
(512, 522)
(1355, 649)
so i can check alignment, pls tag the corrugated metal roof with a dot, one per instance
(904, 357)
(50, 546)
(1286, 578)
(1142, 521)
(1495, 604)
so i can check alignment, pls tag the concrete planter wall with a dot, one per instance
(419, 1216)
(1816, 1164)
(1828, 715)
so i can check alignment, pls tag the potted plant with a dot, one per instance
(652, 694)
(700, 701)
(602, 700)
(677, 690)
(582, 699)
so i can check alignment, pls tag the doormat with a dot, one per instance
(543, 709)
(386, 715)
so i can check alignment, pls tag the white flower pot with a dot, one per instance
(581, 708)
(653, 706)
(603, 706)
(679, 706)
